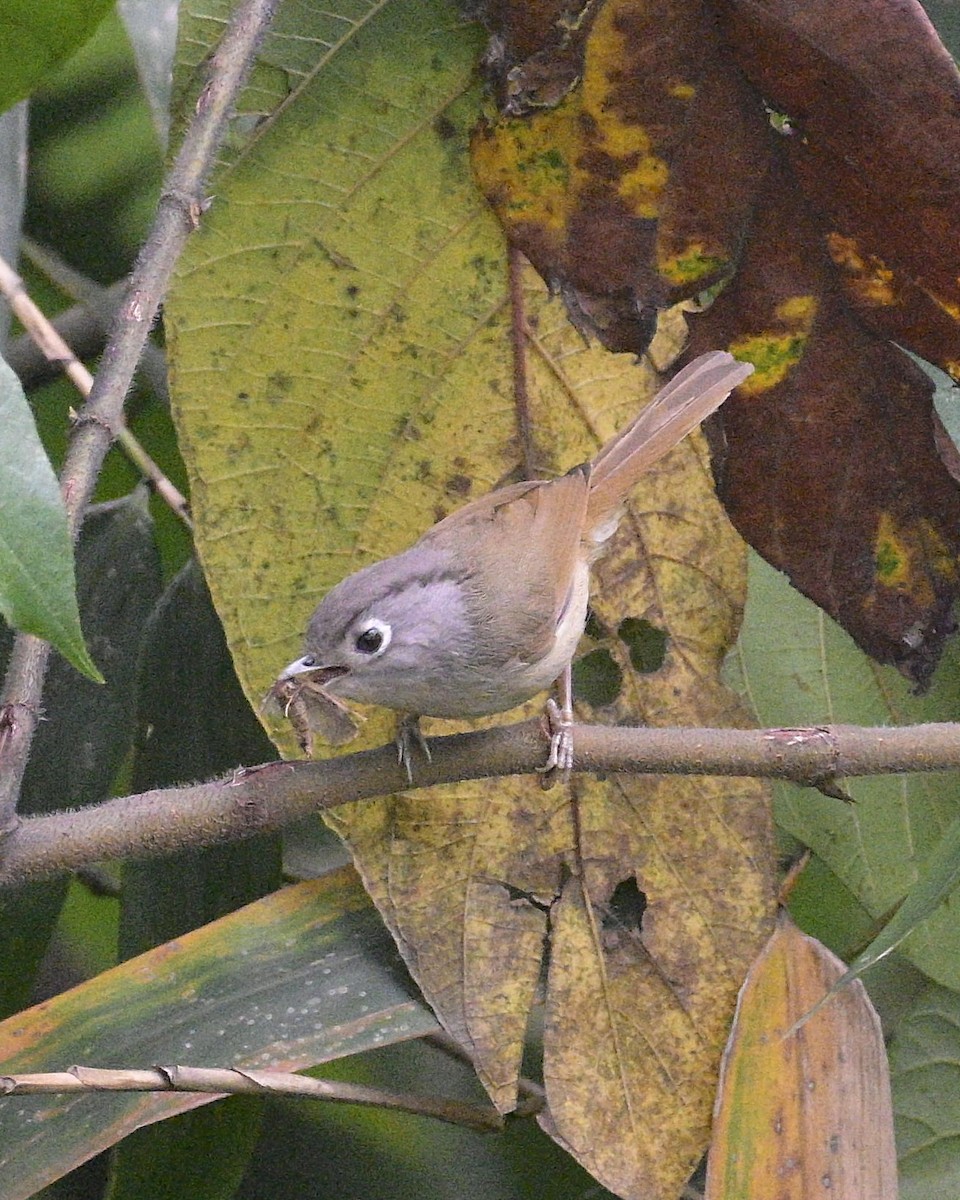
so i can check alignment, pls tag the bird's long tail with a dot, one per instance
(689, 398)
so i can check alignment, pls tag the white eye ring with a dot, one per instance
(373, 638)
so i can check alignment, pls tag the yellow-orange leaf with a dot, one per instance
(803, 1113)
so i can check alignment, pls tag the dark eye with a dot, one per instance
(373, 638)
(369, 642)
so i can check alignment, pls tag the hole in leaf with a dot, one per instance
(625, 907)
(597, 679)
(646, 643)
(593, 628)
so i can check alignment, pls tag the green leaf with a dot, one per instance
(37, 589)
(925, 1080)
(37, 35)
(193, 723)
(302, 977)
(796, 667)
(936, 883)
(88, 729)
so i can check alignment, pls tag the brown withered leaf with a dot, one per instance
(636, 189)
(477, 881)
(873, 98)
(803, 1111)
(599, 188)
(826, 460)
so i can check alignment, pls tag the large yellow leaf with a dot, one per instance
(342, 378)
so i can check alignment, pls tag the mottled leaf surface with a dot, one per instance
(827, 459)
(873, 99)
(614, 189)
(632, 162)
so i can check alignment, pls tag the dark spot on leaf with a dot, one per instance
(458, 485)
(646, 643)
(597, 679)
(280, 381)
(352, 290)
(444, 128)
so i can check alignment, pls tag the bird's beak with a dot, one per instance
(308, 666)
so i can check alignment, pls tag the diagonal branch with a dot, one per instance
(101, 419)
(266, 798)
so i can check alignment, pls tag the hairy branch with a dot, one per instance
(101, 419)
(266, 798)
(224, 1081)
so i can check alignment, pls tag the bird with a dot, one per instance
(485, 610)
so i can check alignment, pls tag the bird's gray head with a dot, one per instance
(391, 634)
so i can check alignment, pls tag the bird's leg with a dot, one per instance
(560, 726)
(409, 738)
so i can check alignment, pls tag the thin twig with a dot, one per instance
(181, 203)
(223, 1081)
(264, 799)
(86, 324)
(57, 351)
(41, 330)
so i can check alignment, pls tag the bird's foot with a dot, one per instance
(410, 738)
(559, 722)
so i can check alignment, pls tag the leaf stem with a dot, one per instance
(262, 799)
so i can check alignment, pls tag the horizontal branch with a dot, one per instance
(263, 799)
(225, 1081)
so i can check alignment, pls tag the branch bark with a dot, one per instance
(266, 798)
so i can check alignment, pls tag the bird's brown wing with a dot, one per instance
(518, 548)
